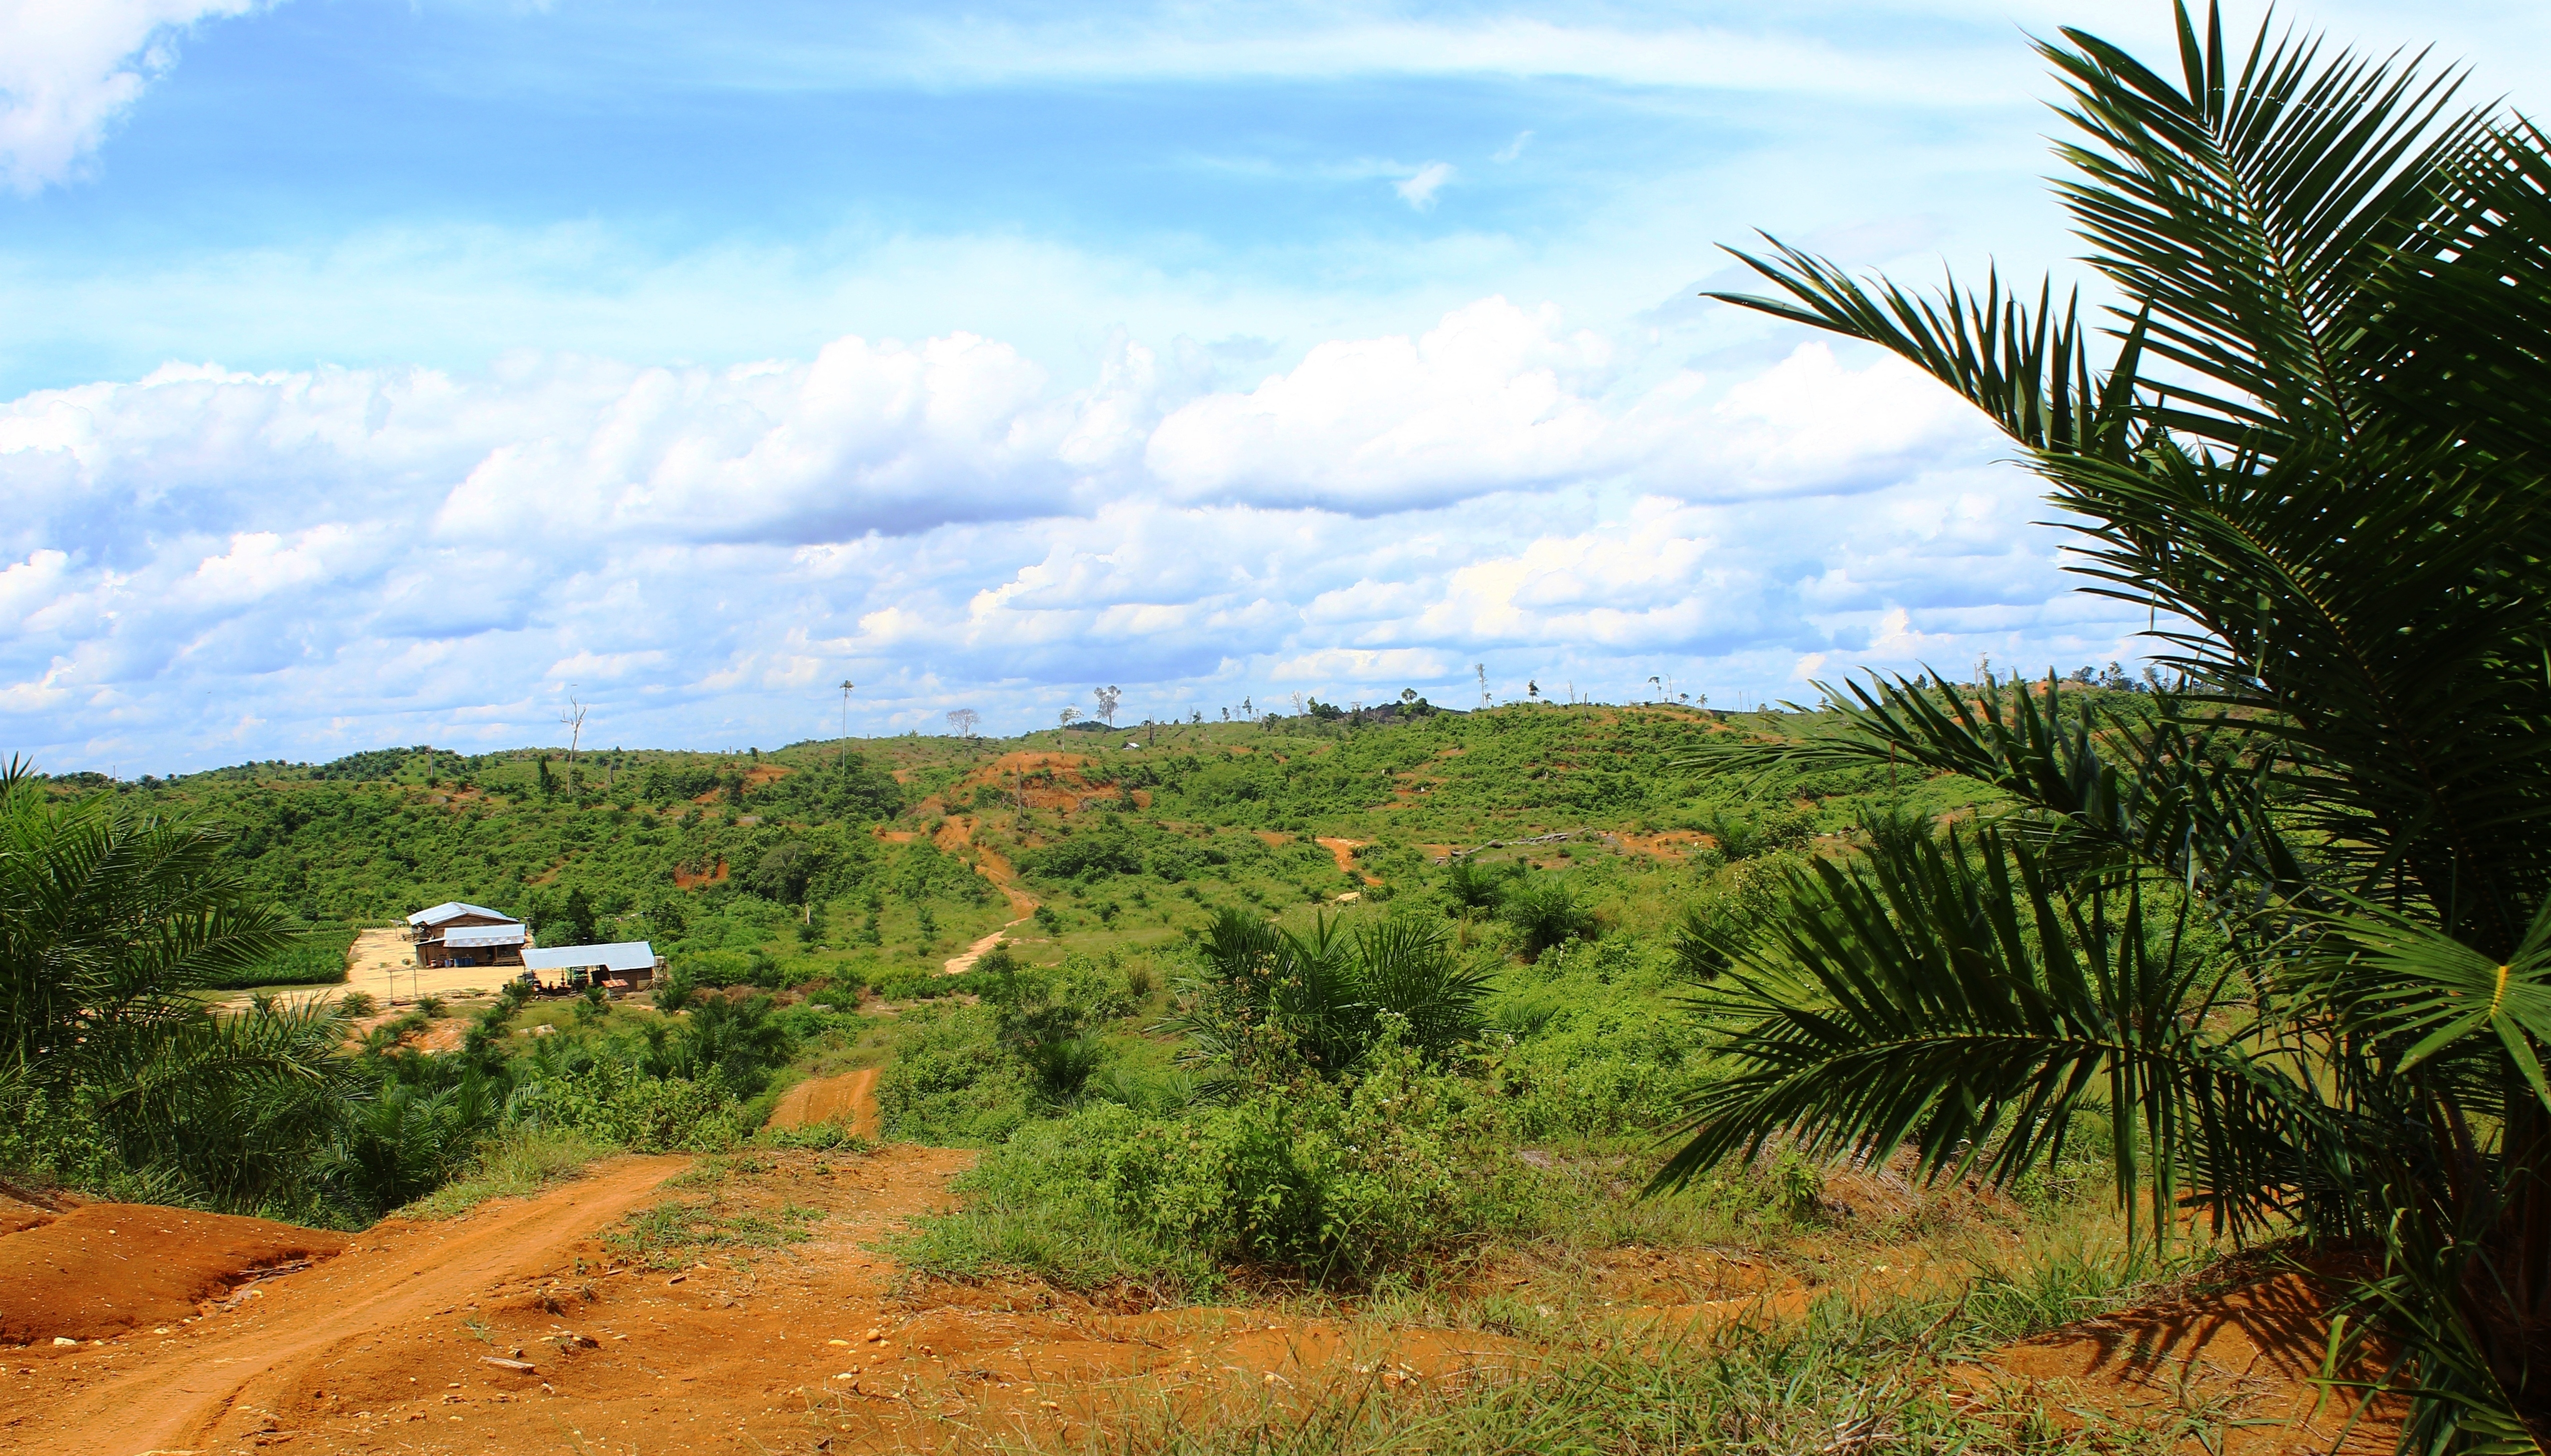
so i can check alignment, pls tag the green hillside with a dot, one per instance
(865, 860)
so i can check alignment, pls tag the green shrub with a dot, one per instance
(1545, 912)
(516, 1163)
(613, 1103)
(1340, 1182)
(952, 1081)
(315, 959)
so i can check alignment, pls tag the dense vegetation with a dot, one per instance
(1130, 985)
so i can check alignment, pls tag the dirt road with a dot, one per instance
(226, 1380)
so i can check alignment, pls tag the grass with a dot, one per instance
(1841, 1381)
(518, 1164)
(677, 1233)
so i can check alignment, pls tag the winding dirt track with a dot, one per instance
(177, 1392)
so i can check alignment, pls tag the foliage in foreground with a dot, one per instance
(2318, 457)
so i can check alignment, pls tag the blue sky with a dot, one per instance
(385, 372)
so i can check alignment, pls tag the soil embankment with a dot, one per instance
(848, 1099)
(106, 1269)
(2243, 1363)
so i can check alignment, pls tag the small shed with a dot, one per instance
(457, 934)
(624, 965)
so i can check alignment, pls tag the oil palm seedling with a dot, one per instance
(1276, 1005)
(108, 920)
(2282, 930)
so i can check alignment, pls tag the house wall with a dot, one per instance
(435, 955)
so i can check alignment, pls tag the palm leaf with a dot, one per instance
(1954, 1001)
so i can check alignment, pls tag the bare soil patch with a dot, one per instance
(2241, 1365)
(1343, 851)
(105, 1269)
(848, 1099)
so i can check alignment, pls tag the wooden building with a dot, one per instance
(457, 933)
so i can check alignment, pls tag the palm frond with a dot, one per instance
(1956, 1003)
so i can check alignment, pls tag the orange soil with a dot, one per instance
(361, 1330)
(103, 1269)
(958, 835)
(391, 1345)
(1067, 791)
(2245, 1358)
(1664, 844)
(849, 1098)
(684, 879)
(1343, 850)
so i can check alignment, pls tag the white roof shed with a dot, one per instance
(453, 909)
(624, 955)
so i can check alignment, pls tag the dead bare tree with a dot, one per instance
(963, 721)
(573, 718)
(1107, 698)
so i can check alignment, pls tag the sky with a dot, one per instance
(398, 371)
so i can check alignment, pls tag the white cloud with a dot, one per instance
(1494, 397)
(68, 68)
(1513, 150)
(207, 561)
(1418, 190)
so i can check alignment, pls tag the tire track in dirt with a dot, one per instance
(173, 1395)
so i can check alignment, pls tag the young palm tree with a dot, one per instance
(107, 919)
(2285, 930)
(1279, 1005)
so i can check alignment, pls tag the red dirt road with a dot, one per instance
(225, 1376)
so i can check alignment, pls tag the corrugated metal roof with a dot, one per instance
(453, 909)
(624, 955)
(483, 935)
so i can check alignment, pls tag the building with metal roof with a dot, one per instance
(626, 963)
(453, 909)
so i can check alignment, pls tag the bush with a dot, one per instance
(516, 1163)
(952, 1080)
(1332, 1181)
(316, 958)
(1326, 1183)
(612, 1103)
(1544, 910)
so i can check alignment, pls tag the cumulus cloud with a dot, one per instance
(68, 68)
(1495, 397)
(208, 561)
(1501, 397)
